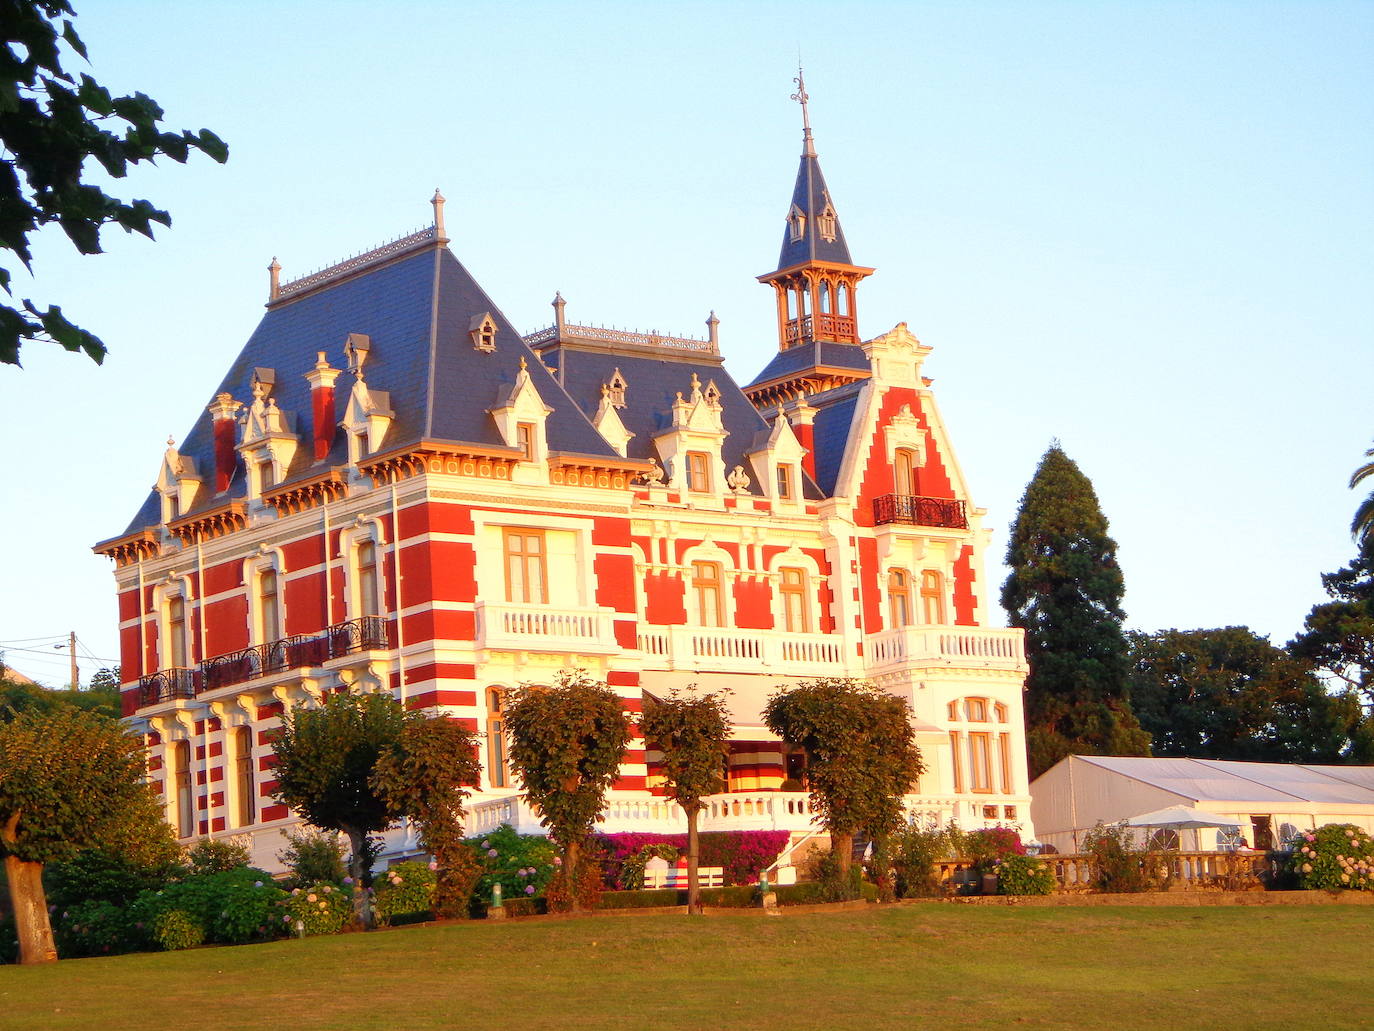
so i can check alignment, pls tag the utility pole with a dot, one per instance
(71, 642)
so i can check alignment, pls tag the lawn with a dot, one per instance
(908, 967)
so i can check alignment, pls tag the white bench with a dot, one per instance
(658, 874)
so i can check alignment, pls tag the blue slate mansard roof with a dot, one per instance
(810, 196)
(416, 307)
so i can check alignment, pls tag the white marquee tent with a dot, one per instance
(1270, 801)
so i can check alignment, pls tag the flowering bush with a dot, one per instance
(1120, 865)
(523, 864)
(1024, 875)
(315, 909)
(991, 845)
(233, 906)
(313, 856)
(741, 855)
(405, 888)
(915, 851)
(1336, 856)
(94, 928)
(177, 929)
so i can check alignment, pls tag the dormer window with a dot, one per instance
(785, 482)
(615, 389)
(525, 435)
(699, 472)
(827, 224)
(356, 348)
(796, 219)
(482, 330)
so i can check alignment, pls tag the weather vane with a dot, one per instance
(801, 97)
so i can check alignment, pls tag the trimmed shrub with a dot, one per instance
(1335, 857)
(233, 906)
(404, 890)
(523, 864)
(217, 855)
(1024, 875)
(810, 893)
(97, 875)
(177, 929)
(92, 928)
(315, 909)
(313, 857)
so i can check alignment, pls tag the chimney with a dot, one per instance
(801, 415)
(321, 379)
(224, 412)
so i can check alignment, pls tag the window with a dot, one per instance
(1004, 750)
(699, 472)
(1001, 711)
(976, 710)
(827, 223)
(989, 812)
(181, 763)
(498, 768)
(899, 597)
(958, 766)
(980, 762)
(265, 477)
(932, 598)
(1009, 812)
(243, 776)
(797, 223)
(706, 582)
(795, 610)
(524, 440)
(369, 597)
(785, 482)
(176, 631)
(269, 607)
(526, 567)
(904, 472)
(842, 304)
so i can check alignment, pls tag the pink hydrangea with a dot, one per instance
(529, 889)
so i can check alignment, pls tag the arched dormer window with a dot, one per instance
(482, 331)
(615, 389)
(796, 222)
(899, 598)
(827, 224)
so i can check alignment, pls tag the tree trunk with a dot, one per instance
(362, 905)
(693, 857)
(30, 911)
(572, 871)
(842, 844)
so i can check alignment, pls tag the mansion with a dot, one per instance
(391, 489)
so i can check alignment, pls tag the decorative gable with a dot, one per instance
(691, 448)
(615, 388)
(903, 433)
(828, 222)
(777, 457)
(367, 418)
(896, 357)
(267, 438)
(521, 416)
(796, 223)
(177, 483)
(608, 422)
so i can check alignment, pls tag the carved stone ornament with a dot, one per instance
(654, 476)
(738, 480)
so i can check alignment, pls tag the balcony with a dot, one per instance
(957, 647)
(368, 633)
(640, 811)
(529, 628)
(753, 651)
(919, 511)
(822, 326)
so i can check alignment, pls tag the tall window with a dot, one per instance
(899, 597)
(699, 472)
(980, 762)
(904, 472)
(706, 582)
(498, 768)
(932, 598)
(524, 440)
(243, 776)
(526, 567)
(269, 605)
(265, 478)
(176, 631)
(785, 482)
(796, 611)
(1004, 754)
(958, 765)
(369, 597)
(181, 771)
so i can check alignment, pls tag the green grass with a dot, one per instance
(909, 967)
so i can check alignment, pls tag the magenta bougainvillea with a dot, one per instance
(740, 854)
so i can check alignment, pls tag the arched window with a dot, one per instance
(825, 297)
(244, 781)
(269, 607)
(706, 584)
(899, 597)
(498, 767)
(795, 608)
(904, 472)
(932, 598)
(181, 777)
(176, 653)
(842, 300)
(369, 594)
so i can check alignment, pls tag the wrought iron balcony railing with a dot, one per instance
(918, 511)
(367, 633)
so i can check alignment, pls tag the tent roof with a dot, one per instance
(1215, 780)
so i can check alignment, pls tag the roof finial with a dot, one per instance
(438, 201)
(801, 97)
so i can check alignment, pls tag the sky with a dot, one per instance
(1143, 229)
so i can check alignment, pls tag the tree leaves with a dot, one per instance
(692, 732)
(51, 124)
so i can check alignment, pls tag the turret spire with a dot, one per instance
(801, 97)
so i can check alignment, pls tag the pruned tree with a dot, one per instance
(691, 731)
(53, 124)
(1065, 591)
(566, 744)
(861, 755)
(426, 776)
(69, 781)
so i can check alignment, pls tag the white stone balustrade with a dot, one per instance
(967, 647)
(538, 628)
(746, 810)
(722, 648)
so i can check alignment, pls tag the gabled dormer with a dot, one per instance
(521, 418)
(777, 457)
(177, 483)
(267, 439)
(608, 422)
(482, 332)
(367, 418)
(691, 447)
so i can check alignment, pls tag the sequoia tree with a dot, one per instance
(68, 781)
(861, 755)
(1065, 591)
(566, 744)
(691, 731)
(52, 124)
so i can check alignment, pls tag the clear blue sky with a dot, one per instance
(1146, 229)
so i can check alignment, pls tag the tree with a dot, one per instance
(1362, 526)
(52, 123)
(1338, 635)
(325, 761)
(691, 731)
(566, 743)
(1230, 694)
(1065, 591)
(861, 755)
(425, 777)
(68, 780)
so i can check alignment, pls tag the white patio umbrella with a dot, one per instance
(1181, 817)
